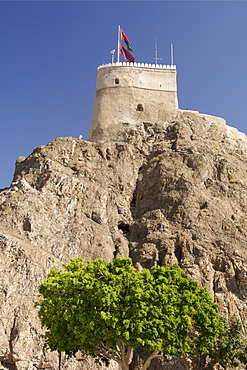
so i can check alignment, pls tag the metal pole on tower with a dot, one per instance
(118, 42)
(172, 55)
(156, 51)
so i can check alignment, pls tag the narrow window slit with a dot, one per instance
(139, 108)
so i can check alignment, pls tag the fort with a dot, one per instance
(155, 183)
(129, 93)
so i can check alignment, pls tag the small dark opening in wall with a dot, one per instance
(139, 108)
(178, 252)
(204, 205)
(124, 227)
(26, 225)
(116, 81)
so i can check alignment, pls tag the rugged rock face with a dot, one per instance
(163, 193)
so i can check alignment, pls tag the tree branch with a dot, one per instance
(117, 355)
(148, 360)
(108, 352)
(129, 355)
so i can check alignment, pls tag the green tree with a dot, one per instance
(229, 349)
(108, 309)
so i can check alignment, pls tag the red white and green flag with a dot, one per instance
(126, 40)
(126, 54)
(121, 50)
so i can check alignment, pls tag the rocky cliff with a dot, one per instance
(161, 193)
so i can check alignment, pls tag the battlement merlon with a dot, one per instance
(132, 93)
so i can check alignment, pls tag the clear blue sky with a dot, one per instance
(50, 50)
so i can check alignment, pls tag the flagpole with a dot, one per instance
(172, 56)
(118, 42)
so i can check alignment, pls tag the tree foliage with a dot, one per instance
(108, 309)
(229, 349)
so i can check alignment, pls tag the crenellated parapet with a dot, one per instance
(137, 64)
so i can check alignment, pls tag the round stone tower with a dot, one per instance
(131, 93)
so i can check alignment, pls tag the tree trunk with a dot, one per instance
(125, 356)
(59, 360)
(124, 366)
